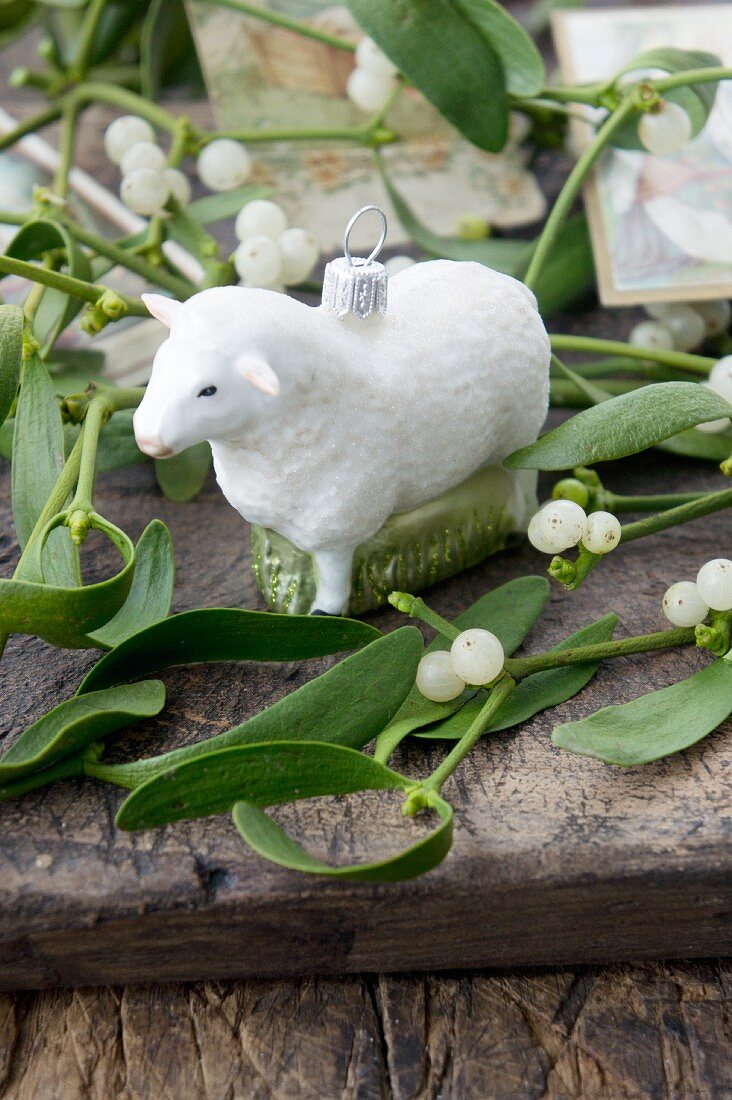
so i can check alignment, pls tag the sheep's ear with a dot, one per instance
(164, 309)
(259, 373)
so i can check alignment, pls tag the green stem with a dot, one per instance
(615, 502)
(64, 769)
(572, 188)
(573, 93)
(497, 698)
(684, 513)
(66, 149)
(78, 288)
(691, 76)
(520, 667)
(30, 125)
(127, 100)
(267, 16)
(416, 608)
(695, 364)
(565, 392)
(85, 40)
(366, 135)
(97, 415)
(180, 287)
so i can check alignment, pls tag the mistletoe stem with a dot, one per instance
(497, 698)
(684, 513)
(66, 149)
(30, 125)
(695, 364)
(572, 187)
(78, 288)
(520, 667)
(615, 502)
(124, 257)
(278, 20)
(691, 76)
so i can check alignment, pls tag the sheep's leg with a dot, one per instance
(333, 590)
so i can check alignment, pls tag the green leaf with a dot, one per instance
(226, 634)
(71, 726)
(522, 63)
(535, 693)
(347, 705)
(693, 444)
(15, 16)
(225, 204)
(57, 310)
(622, 426)
(182, 477)
(151, 592)
(38, 457)
(64, 616)
(445, 54)
(11, 352)
(509, 612)
(262, 774)
(567, 276)
(266, 838)
(117, 446)
(696, 99)
(654, 725)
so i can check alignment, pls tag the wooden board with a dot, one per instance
(557, 859)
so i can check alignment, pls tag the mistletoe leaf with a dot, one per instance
(654, 725)
(11, 351)
(76, 723)
(622, 426)
(535, 693)
(347, 705)
(445, 54)
(263, 774)
(182, 477)
(271, 842)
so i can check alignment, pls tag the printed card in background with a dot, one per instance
(264, 76)
(661, 227)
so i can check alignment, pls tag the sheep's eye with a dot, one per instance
(207, 391)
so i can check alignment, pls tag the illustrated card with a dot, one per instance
(661, 227)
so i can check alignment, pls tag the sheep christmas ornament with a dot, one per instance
(361, 438)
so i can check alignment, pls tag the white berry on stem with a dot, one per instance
(652, 334)
(686, 326)
(717, 315)
(260, 218)
(602, 533)
(537, 539)
(258, 260)
(125, 132)
(437, 679)
(143, 154)
(373, 60)
(665, 129)
(144, 191)
(179, 186)
(223, 164)
(714, 427)
(477, 656)
(367, 90)
(683, 604)
(299, 251)
(714, 582)
(562, 524)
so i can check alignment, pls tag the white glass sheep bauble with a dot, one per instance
(364, 447)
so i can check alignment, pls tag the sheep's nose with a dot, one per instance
(153, 447)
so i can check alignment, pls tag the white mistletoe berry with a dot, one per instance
(477, 656)
(299, 251)
(144, 191)
(125, 132)
(179, 186)
(369, 91)
(686, 327)
(683, 605)
(720, 378)
(714, 581)
(665, 129)
(602, 533)
(373, 60)
(713, 427)
(260, 218)
(437, 679)
(143, 154)
(259, 261)
(537, 539)
(561, 524)
(716, 315)
(652, 334)
(223, 164)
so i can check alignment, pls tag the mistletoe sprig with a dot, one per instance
(61, 424)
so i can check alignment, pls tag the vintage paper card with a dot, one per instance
(661, 227)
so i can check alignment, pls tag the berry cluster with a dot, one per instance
(681, 327)
(269, 254)
(560, 524)
(687, 603)
(475, 657)
(374, 78)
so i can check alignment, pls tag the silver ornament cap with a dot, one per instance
(354, 284)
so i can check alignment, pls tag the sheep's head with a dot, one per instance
(201, 386)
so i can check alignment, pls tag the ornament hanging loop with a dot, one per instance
(356, 285)
(379, 243)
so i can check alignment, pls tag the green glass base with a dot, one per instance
(484, 514)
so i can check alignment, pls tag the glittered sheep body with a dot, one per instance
(321, 429)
